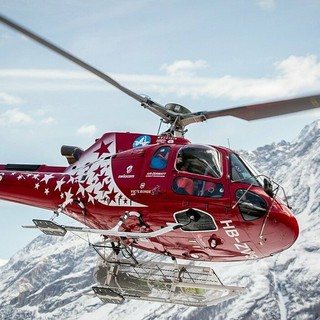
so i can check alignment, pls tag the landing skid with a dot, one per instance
(120, 279)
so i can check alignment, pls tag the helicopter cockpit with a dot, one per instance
(200, 160)
(203, 160)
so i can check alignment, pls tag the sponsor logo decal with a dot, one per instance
(155, 174)
(141, 141)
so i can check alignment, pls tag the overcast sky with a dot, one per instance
(205, 55)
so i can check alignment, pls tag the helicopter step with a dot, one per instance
(121, 279)
(50, 228)
(107, 295)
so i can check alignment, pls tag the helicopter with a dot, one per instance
(164, 195)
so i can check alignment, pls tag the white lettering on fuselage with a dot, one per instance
(232, 232)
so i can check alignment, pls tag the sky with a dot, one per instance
(205, 55)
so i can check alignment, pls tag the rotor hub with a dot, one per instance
(177, 108)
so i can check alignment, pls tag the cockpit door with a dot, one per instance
(153, 178)
(199, 173)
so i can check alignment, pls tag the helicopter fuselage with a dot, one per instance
(224, 211)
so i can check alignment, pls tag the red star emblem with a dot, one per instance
(101, 178)
(98, 170)
(106, 187)
(84, 184)
(112, 196)
(104, 148)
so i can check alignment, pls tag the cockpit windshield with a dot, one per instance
(242, 172)
(203, 160)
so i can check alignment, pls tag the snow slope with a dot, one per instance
(51, 277)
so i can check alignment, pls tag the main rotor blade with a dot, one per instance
(265, 110)
(181, 119)
(72, 58)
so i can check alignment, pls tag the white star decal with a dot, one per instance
(91, 198)
(59, 184)
(68, 195)
(71, 179)
(47, 177)
(81, 190)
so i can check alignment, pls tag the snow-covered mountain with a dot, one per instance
(51, 278)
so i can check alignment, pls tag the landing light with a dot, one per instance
(213, 243)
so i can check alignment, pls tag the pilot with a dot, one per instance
(179, 162)
(184, 185)
(188, 164)
(182, 164)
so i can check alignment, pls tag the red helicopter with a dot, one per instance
(162, 194)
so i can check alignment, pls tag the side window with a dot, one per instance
(240, 173)
(197, 187)
(251, 205)
(160, 158)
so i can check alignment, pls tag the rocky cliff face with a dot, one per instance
(52, 277)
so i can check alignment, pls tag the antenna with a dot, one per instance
(160, 124)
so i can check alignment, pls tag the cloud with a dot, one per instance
(14, 116)
(87, 130)
(46, 74)
(8, 99)
(47, 120)
(292, 76)
(3, 262)
(299, 72)
(183, 67)
(266, 4)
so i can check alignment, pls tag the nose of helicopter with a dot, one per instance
(280, 232)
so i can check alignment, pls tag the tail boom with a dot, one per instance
(29, 184)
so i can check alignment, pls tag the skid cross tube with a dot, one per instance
(116, 233)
